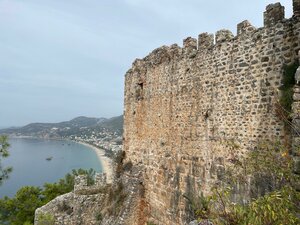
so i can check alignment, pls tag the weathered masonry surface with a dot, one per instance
(183, 106)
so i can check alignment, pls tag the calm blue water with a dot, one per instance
(30, 167)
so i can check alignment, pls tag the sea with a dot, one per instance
(37, 161)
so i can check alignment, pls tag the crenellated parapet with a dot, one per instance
(274, 17)
(77, 207)
(274, 13)
(81, 186)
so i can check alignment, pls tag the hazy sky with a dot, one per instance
(65, 58)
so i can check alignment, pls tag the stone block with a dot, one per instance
(273, 14)
(297, 76)
(296, 89)
(296, 96)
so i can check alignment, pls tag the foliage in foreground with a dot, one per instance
(20, 209)
(4, 145)
(276, 200)
(275, 208)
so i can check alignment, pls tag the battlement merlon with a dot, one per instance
(80, 182)
(296, 7)
(205, 41)
(245, 27)
(100, 179)
(190, 43)
(274, 13)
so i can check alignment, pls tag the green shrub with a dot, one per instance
(200, 206)
(276, 203)
(278, 207)
(46, 219)
(99, 216)
(150, 223)
(116, 198)
(21, 207)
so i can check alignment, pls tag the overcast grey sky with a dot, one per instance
(65, 58)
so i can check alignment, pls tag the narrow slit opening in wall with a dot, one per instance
(141, 85)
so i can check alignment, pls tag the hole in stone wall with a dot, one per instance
(141, 85)
(139, 91)
(207, 114)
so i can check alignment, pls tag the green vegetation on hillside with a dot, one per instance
(20, 209)
(78, 126)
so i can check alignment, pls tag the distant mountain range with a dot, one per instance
(77, 126)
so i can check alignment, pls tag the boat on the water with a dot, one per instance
(49, 158)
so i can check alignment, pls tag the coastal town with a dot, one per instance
(104, 134)
(107, 140)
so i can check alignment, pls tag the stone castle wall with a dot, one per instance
(80, 206)
(184, 106)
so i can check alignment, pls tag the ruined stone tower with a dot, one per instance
(183, 104)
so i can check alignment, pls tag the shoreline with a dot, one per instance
(104, 160)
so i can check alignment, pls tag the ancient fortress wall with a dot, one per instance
(184, 106)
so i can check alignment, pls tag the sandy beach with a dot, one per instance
(105, 161)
